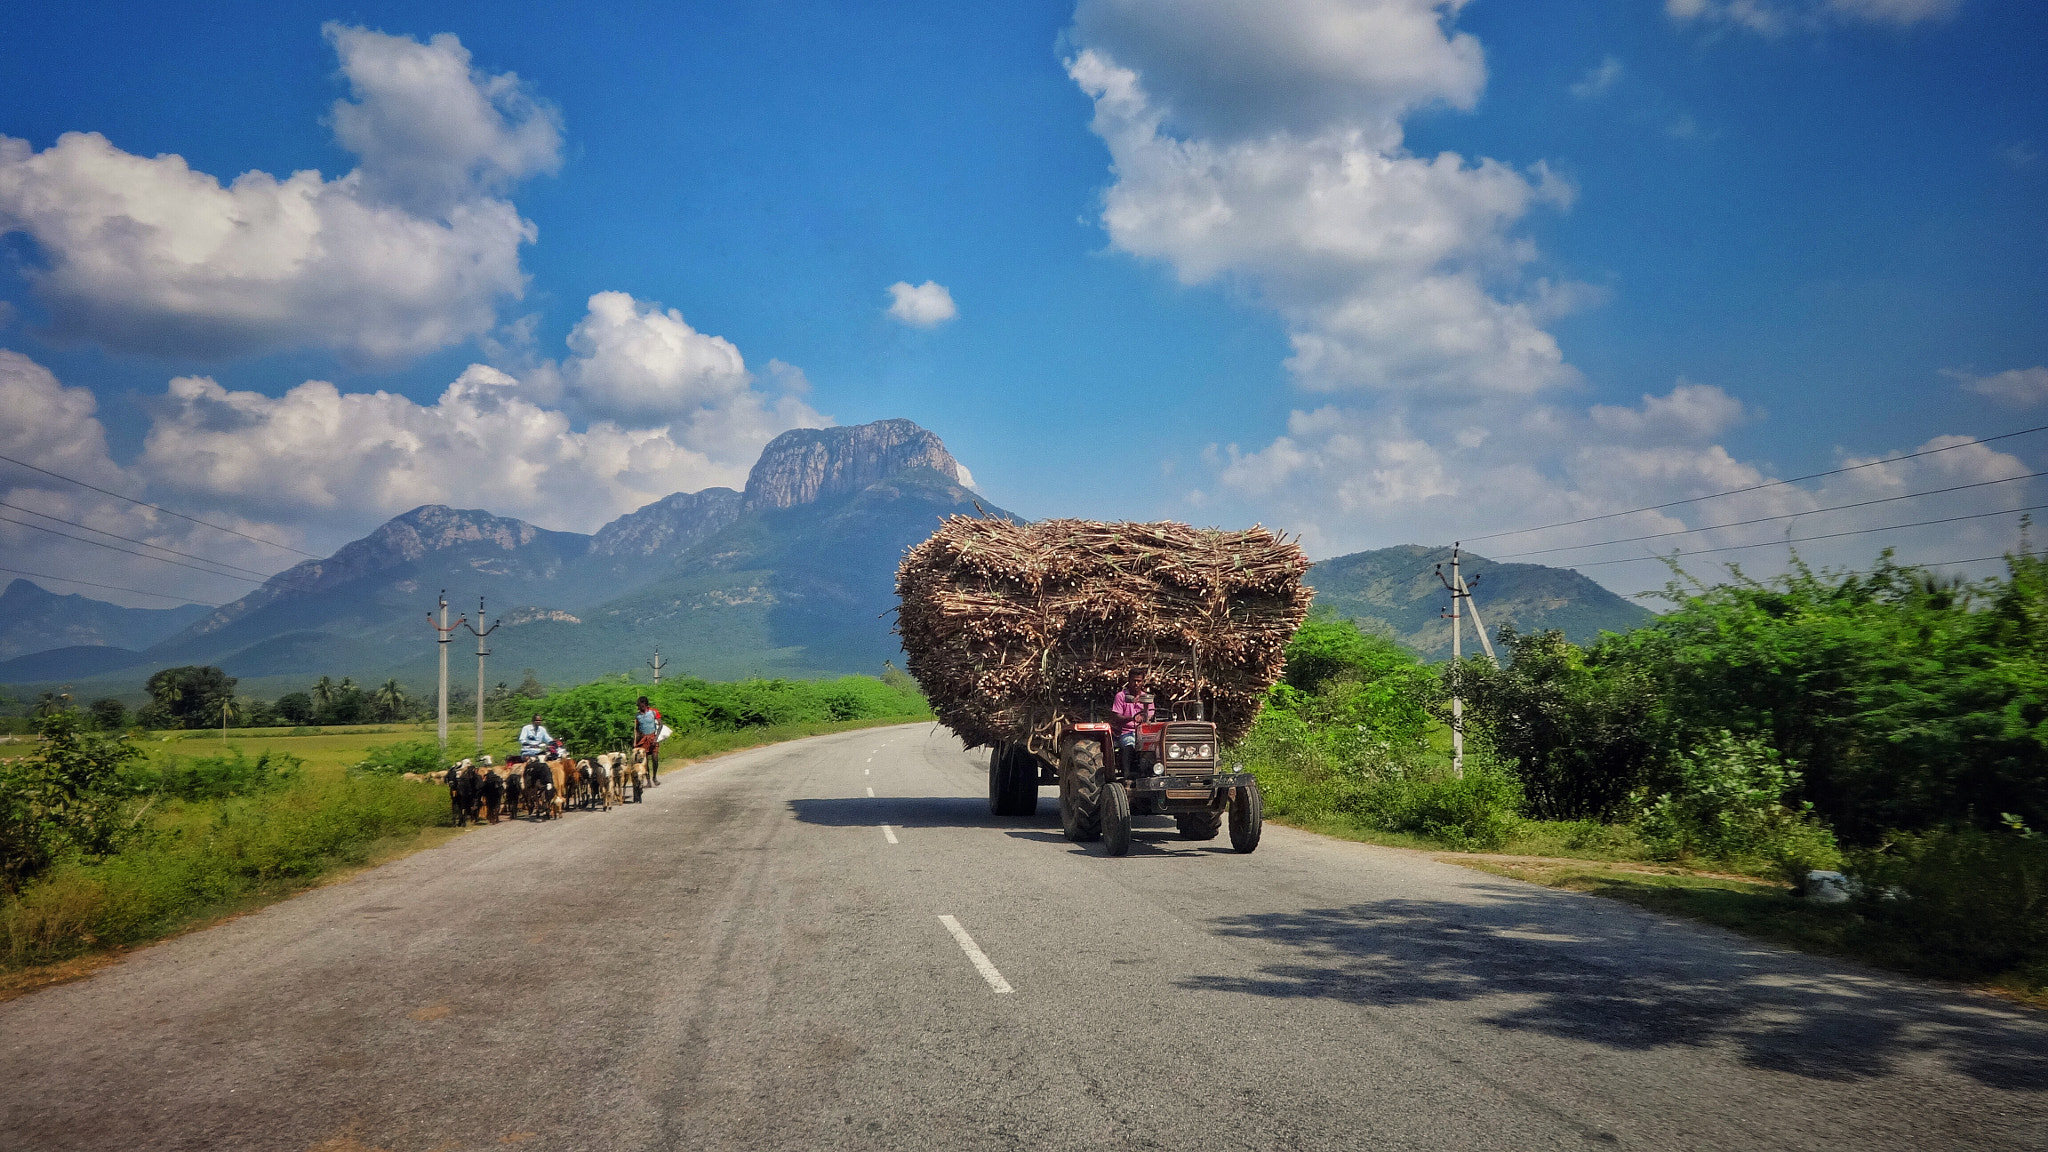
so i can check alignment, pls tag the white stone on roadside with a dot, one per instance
(1830, 887)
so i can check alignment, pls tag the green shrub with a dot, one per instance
(218, 777)
(1729, 803)
(1476, 812)
(1312, 772)
(1571, 725)
(71, 796)
(421, 756)
(1962, 903)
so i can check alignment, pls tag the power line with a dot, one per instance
(128, 551)
(1768, 519)
(1825, 536)
(114, 587)
(132, 540)
(157, 507)
(1758, 487)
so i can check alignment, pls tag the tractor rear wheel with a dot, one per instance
(1081, 791)
(1247, 818)
(1023, 783)
(999, 780)
(1116, 819)
(1203, 825)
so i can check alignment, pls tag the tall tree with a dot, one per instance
(187, 697)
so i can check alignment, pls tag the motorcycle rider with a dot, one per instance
(534, 739)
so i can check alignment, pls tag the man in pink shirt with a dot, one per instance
(1131, 708)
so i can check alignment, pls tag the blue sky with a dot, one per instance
(1376, 271)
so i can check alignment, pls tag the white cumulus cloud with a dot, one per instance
(1382, 263)
(923, 305)
(1228, 69)
(2015, 387)
(411, 251)
(1597, 80)
(1778, 17)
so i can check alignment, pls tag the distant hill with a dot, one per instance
(1394, 592)
(76, 662)
(35, 620)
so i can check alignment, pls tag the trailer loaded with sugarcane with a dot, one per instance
(1021, 635)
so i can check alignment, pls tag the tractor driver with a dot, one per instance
(1132, 707)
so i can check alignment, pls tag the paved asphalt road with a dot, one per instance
(758, 958)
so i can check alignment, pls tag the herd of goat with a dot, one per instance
(542, 789)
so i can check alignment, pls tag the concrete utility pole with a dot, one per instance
(1457, 664)
(656, 665)
(1461, 605)
(481, 652)
(444, 633)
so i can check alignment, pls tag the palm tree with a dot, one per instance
(323, 692)
(229, 710)
(391, 699)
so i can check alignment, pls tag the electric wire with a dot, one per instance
(113, 587)
(157, 507)
(129, 551)
(1824, 536)
(1768, 519)
(1759, 487)
(132, 540)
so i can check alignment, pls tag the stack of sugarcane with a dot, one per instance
(1017, 630)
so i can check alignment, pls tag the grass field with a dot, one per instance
(328, 752)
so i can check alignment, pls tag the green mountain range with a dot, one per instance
(794, 576)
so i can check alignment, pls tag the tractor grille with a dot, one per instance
(1188, 735)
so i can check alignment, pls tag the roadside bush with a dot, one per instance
(1729, 803)
(1573, 728)
(68, 798)
(218, 777)
(1476, 812)
(1305, 776)
(421, 756)
(1962, 903)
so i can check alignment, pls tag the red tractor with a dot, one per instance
(1173, 771)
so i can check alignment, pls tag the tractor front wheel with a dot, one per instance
(1116, 819)
(1247, 818)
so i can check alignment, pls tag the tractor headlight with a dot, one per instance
(1202, 752)
(1175, 752)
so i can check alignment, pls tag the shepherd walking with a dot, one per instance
(647, 733)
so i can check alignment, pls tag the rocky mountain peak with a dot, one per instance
(670, 524)
(411, 535)
(804, 465)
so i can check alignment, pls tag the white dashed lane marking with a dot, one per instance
(890, 833)
(871, 792)
(976, 956)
